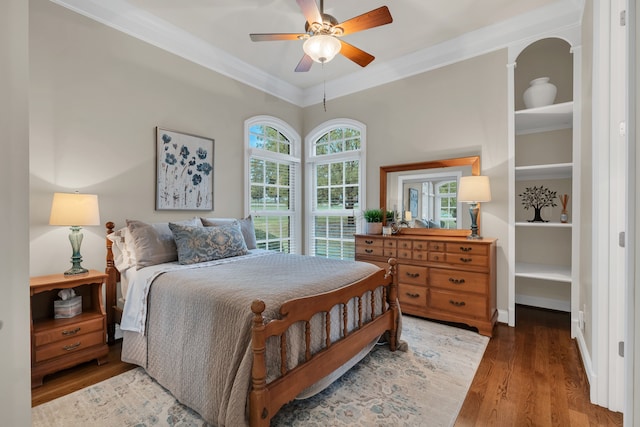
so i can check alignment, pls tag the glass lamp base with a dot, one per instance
(76, 269)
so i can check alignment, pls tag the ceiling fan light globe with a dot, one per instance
(321, 47)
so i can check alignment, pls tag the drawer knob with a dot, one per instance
(465, 249)
(369, 251)
(412, 295)
(369, 242)
(457, 303)
(456, 281)
(413, 275)
(466, 259)
(71, 332)
(436, 257)
(71, 347)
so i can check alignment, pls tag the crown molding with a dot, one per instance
(122, 16)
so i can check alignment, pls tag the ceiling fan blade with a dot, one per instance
(310, 11)
(374, 18)
(305, 64)
(274, 36)
(358, 56)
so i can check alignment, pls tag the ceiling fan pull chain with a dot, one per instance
(324, 89)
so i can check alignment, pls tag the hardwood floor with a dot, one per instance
(530, 375)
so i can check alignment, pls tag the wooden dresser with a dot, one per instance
(444, 278)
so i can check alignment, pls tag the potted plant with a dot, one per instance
(538, 198)
(373, 217)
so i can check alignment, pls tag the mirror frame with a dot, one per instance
(473, 161)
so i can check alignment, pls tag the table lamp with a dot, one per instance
(473, 190)
(75, 210)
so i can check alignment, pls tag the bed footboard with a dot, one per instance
(266, 399)
(114, 314)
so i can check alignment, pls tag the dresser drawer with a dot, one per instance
(412, 295)
(437, 256)
(436, 246)
(389, 243)
(459, 281)
(420, 255)
(370, 250)
(369, 241)
(419, 245)
(405, 254)
(405, 244)
(389, 252)
(467, 248)
(69, 345)
(412, 274)
(458, 303)
(61, 333)
(466, 259)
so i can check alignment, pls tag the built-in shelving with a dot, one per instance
(543, 272)
(542, 119)
(551, 171)
(544, 224)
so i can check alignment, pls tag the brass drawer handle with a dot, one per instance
(465, 249)
(436, 247)
(369, 242)
(413, 275)
(72, 332)
(466, 259)
(457, 303)
(71, 347)
(411, 295)
(456, 281)
(369, 251)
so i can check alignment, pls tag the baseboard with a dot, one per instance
(548, 303)
(586, 363)
(503, 316)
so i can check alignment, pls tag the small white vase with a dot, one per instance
(540, 93)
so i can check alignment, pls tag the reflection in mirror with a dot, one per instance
(423, 195)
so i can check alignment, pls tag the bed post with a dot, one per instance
(393, 303)
(258, 413)
(111, 291)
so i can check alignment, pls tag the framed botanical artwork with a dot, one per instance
(413, 202)
(184, 171)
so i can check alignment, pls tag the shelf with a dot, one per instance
(555, 273)
(544, 224)
(542, 119)
(551, 171)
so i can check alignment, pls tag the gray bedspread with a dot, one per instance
(198, 337)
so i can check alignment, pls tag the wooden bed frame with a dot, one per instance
(266, 399)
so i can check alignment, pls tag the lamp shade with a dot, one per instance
(474, 189)
(74, 209)
(321, 47)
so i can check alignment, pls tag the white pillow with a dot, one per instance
(124, 256)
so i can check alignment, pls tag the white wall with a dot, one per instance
(15, 399)
(96, 97)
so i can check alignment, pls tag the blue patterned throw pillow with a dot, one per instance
(200, 244)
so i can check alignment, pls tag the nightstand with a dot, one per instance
(58, 344)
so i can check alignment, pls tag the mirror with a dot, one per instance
(417, 192)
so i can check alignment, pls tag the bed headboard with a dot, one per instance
(113, 277)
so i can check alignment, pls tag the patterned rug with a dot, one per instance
(423, 386)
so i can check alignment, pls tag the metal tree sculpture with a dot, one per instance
(538, 198)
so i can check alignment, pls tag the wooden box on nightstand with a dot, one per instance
(58, 344)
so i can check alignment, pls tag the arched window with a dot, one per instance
(272, 169)
(335, 187)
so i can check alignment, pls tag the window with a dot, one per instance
(272, 163)
(335, 169)
(447, 203)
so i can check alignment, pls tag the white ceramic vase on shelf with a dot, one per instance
(540, 93)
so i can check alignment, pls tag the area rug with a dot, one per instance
(424, 386)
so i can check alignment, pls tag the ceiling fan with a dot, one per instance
(322, 34)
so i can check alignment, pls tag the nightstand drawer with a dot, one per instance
(412, 294)
(462, 304)
(459, 281)
(69, 345)
(71, 329)
(412, 274)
